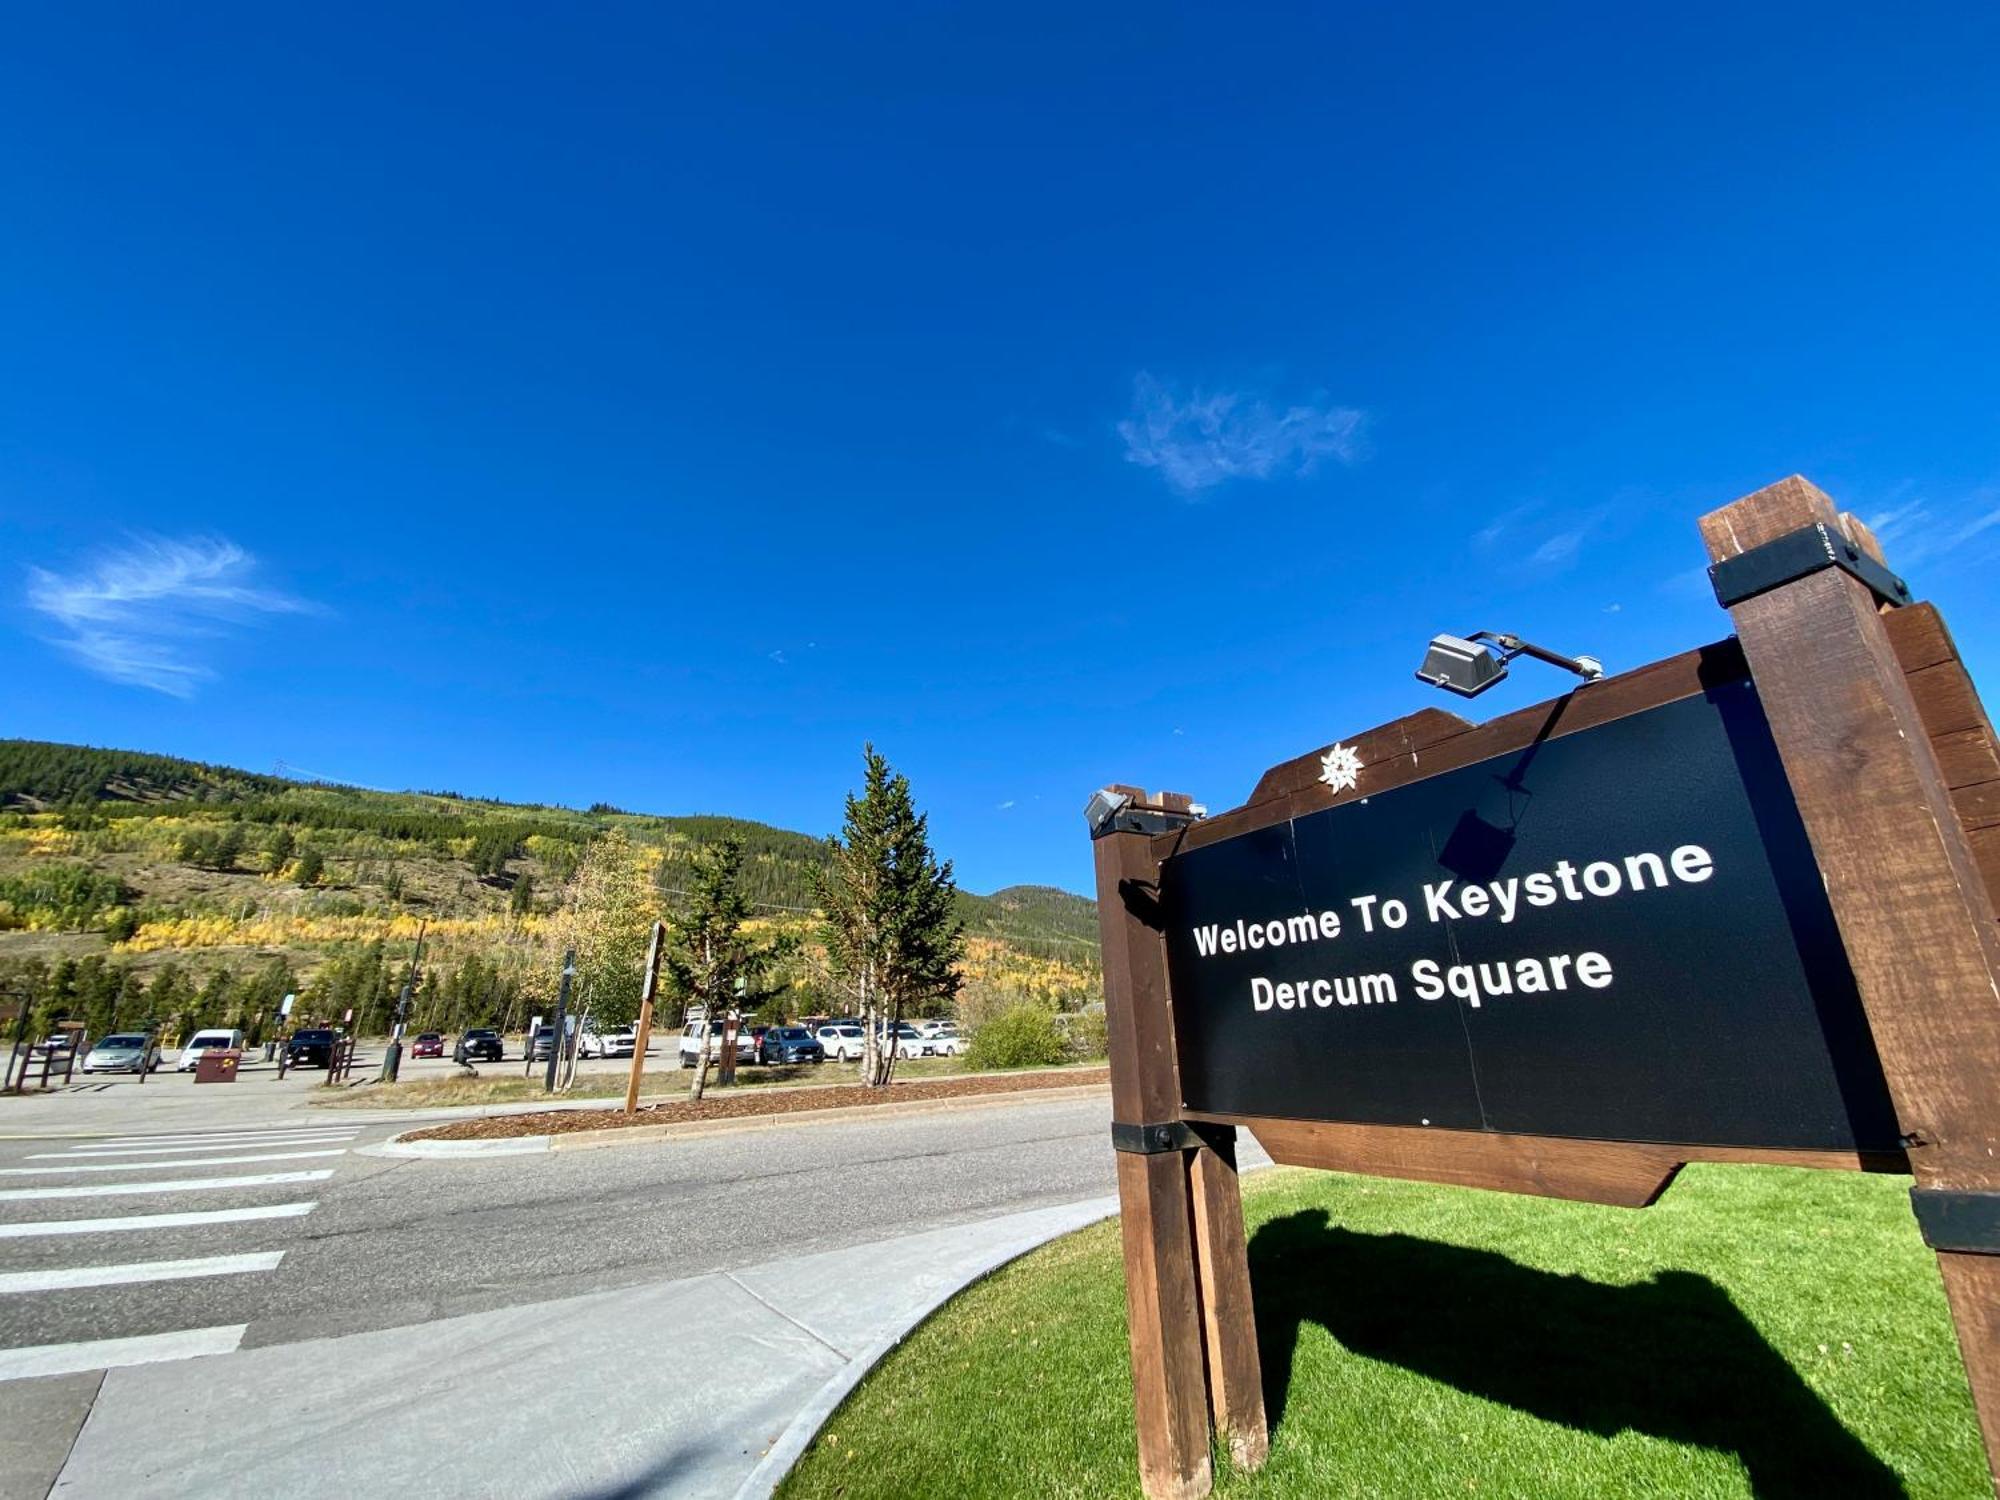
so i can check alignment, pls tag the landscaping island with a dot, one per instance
(727, 1104)
(1760, 1332)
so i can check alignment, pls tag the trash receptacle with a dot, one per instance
(217, 1065)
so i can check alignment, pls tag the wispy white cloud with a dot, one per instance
(1003, 806)
(1560, 548)
(1207, 437)
(1509, 520)
(136, 616)
(1917, 531)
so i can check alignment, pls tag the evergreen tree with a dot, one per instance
(278, 849)
(312, 865)
(892, 929)
(708, 959)
(522, 901)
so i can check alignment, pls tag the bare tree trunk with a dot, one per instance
(707, 1023)
(866, 1010)
(893, 1018)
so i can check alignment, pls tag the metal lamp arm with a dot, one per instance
(1583, 666)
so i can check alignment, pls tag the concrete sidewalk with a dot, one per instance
(709, 1386)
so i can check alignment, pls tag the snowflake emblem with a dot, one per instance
(1340, 767)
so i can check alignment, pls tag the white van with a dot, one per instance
(201, 1042)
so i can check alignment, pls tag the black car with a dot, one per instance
(310, 1049)
(789, 1044)
(478, 1045)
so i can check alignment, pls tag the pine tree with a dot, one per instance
(312, 865)
(522, 901)
(892, 930)
(278, 851)
(707, 953)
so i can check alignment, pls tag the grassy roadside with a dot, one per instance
(1761, 1331)
(660, 1082)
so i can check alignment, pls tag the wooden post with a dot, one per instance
(1915, 916)
(1187, 1278)
(642, 1034)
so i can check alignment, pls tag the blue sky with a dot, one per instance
(652, 406)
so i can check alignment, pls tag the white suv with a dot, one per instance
(746, 1044)
(842, 1043)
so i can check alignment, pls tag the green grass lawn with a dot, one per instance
(1761, 1331)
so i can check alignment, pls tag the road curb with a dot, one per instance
(791, 1444)
(639, 1135)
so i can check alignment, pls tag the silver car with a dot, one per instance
(122, 1052)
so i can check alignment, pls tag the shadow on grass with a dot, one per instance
(1671, 1357)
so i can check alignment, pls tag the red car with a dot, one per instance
(430, 1044)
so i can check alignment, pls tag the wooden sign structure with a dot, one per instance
(1892, 771)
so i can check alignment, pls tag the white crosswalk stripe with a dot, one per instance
(107, 1151)
(214, 1137)
(139, 1165)
(128, 1223)
(178, 1185)
(111, 1354)
(155, 1166)
(67, 1278)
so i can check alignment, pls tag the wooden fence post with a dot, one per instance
(1187, 1280)
(1914, 913)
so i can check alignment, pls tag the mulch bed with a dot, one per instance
(733, 1104)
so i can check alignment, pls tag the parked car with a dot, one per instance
(622, 1043)
(203, 1041)
(311, 1048)
(123, 1052)
(481, 1044)
(690, 1048)
(588, 1044)
(428, 1044)
(909, 1041)
(946, 1042)
(789, 1044)
(841, 1040)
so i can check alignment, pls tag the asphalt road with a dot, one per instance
(361, 1241)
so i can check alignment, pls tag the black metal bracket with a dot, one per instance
(1798, 554)
(1958, 1221)
(1169, 1135)
(1149, 820)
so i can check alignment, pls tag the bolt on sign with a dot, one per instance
(1737, 905)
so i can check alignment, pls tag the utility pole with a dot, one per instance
(643, 1032)
(562, 1009)
(392, 1055)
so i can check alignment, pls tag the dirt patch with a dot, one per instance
(733, 1105)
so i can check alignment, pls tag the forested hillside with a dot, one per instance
(144, 887)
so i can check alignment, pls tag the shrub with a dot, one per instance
(1088, 1041)
(1025, 1037)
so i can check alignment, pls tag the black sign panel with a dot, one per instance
(1619, 934)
